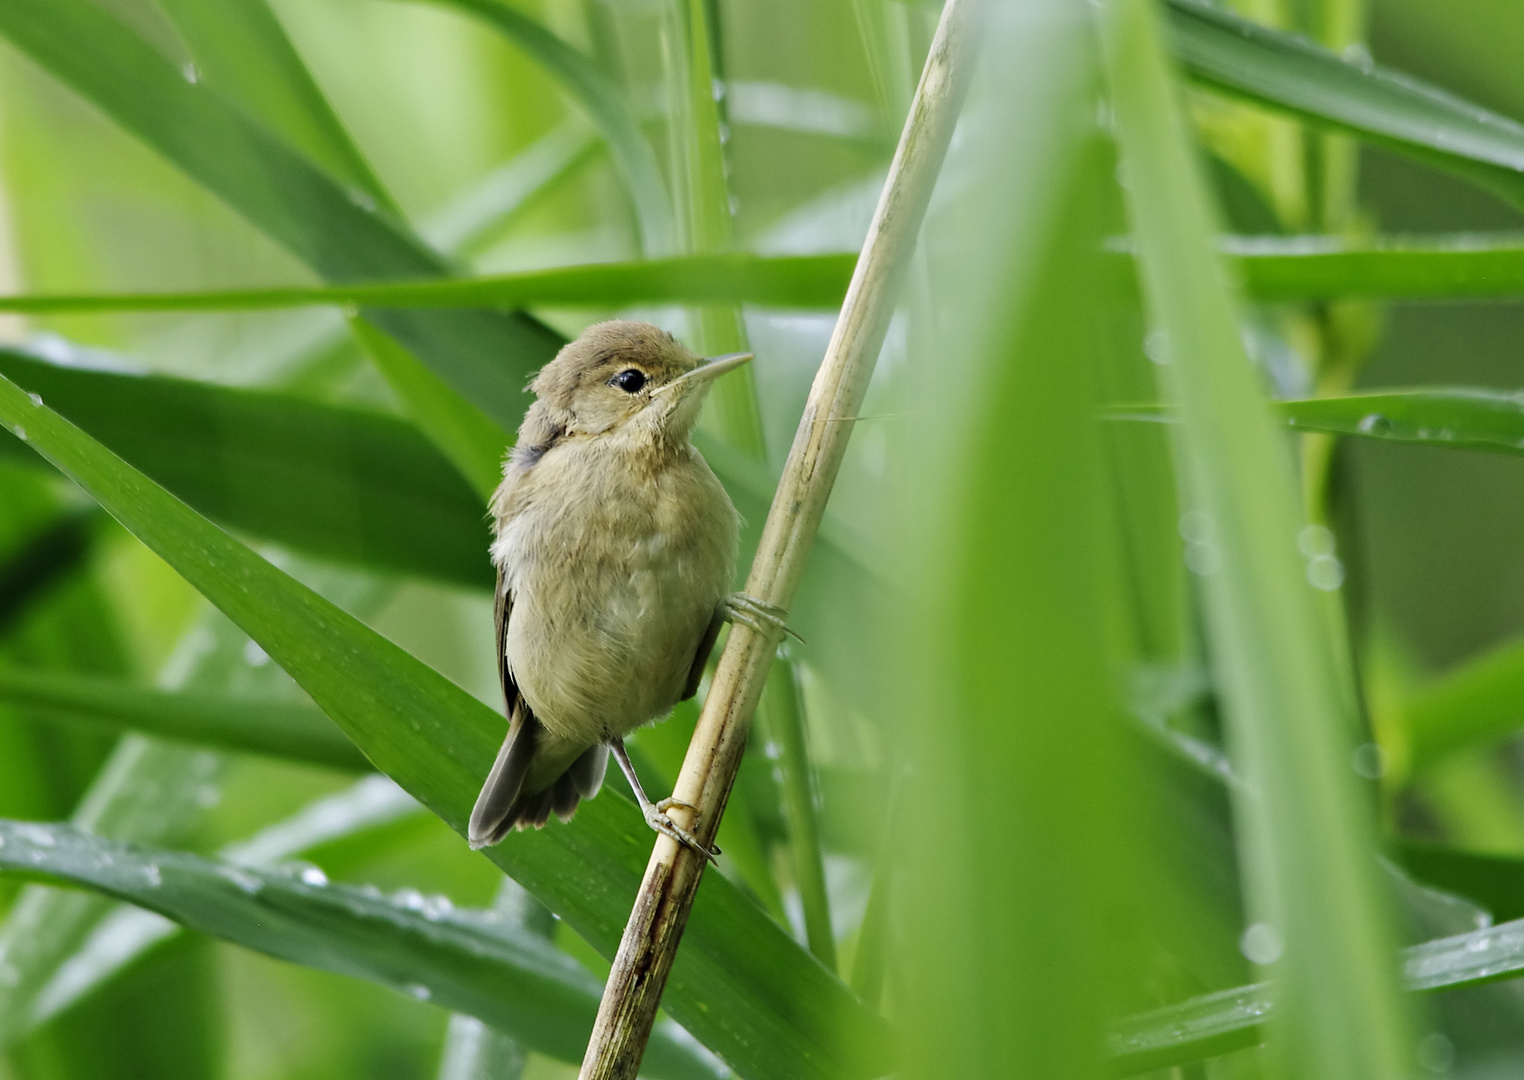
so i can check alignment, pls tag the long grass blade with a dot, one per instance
(1232, 1019)
(1465, 418)
(784, 721)
(800, 281)
(1461, 417)
(1467, 266)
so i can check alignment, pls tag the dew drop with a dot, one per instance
(36, 835)
(1436, 1053)
(1196, 526)
(313, 876)
(1261, 944)
(1315, 540)
(35, 399)
(1203, 560)
(1369, 761)
(1325, 572)
(20, 432)
(246, 882)
(152, 877)
(419, 991)
(190, 72)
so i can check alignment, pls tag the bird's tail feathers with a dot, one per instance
(504, 805)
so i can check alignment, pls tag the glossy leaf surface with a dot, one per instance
(461, 960)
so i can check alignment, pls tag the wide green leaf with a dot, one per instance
(1306, 837)
(741, 985)
(1291, 74)
(1231, 1019)
(60, 967)
(341, 233)
(285, 729)
(346, 484)
(461, 960)
(58, 944)
(797, 281)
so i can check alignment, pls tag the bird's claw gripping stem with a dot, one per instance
(766, 619)
(656, 813)
(658, 820)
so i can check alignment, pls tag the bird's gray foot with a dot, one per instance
(658, 820)
(766, 619)
(656, 813)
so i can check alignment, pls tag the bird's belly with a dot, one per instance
(601, 642)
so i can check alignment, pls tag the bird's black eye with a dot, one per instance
(629, 380)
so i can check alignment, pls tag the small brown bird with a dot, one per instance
(615, 547)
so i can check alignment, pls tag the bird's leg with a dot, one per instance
(766, 619)
(656, 813)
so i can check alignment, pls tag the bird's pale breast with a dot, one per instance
(615, 564)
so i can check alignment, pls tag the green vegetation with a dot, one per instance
(1159, 690)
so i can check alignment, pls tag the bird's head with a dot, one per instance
(626, 377)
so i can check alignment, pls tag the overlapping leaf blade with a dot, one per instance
(606, 104)
(341, 234)
(1305, 835)
(1382, 106)
(346, 484)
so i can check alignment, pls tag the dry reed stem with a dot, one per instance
(634, 988)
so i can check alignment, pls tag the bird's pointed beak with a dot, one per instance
(712, 368)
